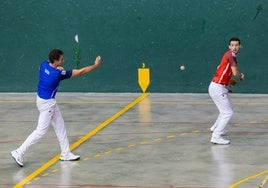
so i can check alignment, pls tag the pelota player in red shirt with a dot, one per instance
(220, 94)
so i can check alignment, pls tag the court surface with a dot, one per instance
(133, 140)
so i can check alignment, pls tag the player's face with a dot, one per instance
(234, 46)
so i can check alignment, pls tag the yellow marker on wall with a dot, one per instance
(144, 77)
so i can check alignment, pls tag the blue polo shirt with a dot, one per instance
(49, 80)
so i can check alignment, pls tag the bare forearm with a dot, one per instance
(87, 69)
(84, 70)
(237, 74)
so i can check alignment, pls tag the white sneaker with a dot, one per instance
(18, 158)
(220, 141)
(70, 157)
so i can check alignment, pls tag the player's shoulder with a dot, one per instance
(229, 54)
(44, 63)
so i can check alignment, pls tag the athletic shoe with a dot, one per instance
(18, 158)
(70, 157)
(223, 134)
(220, 141)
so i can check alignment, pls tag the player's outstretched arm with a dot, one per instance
(84, 70)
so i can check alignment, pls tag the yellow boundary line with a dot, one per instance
(80, 141)
(248, 178)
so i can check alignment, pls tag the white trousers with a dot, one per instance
(49, 114)
(220, 96)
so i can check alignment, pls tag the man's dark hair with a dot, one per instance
(234, 39)
(55, 55)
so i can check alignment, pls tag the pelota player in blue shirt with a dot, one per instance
(51, 73)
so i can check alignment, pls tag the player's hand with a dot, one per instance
(232, 82)
(242, 77)
(60, 68)
(98, 61)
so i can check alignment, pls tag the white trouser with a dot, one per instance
(220, 96)
(49, 114)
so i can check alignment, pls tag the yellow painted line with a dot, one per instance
(119, 149)
(55, 170)
(36, 179)
(248, 178)
(131, 145)
(86, 159)
(108, 152)
(158, 139)
(183, 134)
(170, 136)
(196, 131)
(81, 140)
(45, 174)
(97, 155)
(108, 121)
(143, 142)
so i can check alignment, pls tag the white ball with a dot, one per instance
(76, 38)
(182, 67)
